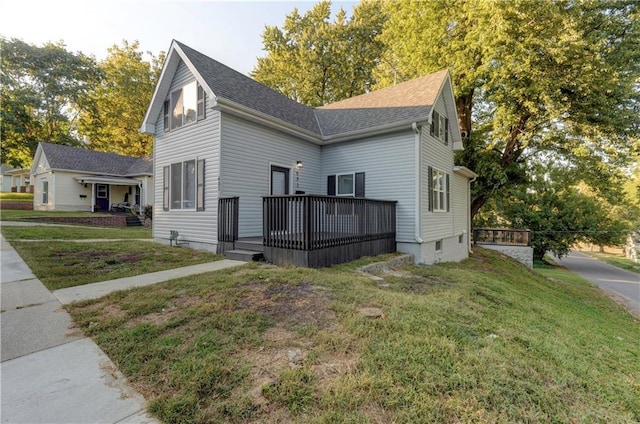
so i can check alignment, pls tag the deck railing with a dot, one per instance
(312, 222)
(502, 236)
(228, 209)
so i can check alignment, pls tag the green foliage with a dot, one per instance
(531, 78)
(119, 102)
(559, 215)
(43, 88)
(316, 61)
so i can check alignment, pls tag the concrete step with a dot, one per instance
(133, 221)
(244, 255)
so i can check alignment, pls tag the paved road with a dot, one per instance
(621, 284)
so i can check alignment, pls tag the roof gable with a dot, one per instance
(75, 159)
(395, 106)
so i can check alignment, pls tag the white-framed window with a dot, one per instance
(45, 192)
(438, 245)
(183, 185)
(439, 190)
(102, 191)
(345, 184)
(184, 106)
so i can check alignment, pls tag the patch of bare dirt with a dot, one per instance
(296, 305)
(132, 258)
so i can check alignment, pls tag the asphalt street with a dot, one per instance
(619, 283)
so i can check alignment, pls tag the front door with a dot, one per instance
(102, 197)
(280, 187)
(279, 181)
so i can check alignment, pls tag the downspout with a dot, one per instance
(418, 184)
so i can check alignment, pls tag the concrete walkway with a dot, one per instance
(50, 372)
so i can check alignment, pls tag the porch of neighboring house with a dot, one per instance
(112, 194)
(310, 230)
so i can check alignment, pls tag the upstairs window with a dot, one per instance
(184, 106)
(440, 127)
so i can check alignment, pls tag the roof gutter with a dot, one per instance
(237, 109)
(381, 129)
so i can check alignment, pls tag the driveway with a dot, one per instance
(622, 285)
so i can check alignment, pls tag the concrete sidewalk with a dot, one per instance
(50, 372)
(96, 290)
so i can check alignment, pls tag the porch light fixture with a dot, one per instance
(298, 168)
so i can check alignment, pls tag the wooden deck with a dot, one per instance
(313, 231)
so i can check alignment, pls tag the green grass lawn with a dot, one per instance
(21, 215)
(485, 341)
(615, 260)
(61, 264)
(74, 233)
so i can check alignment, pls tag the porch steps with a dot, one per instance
(244, 255)
(249, 244)
(133, 221)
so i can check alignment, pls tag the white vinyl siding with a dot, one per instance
(388, 164)
(248, 151)
(435, 225)
(197, 141)
(460, 205)
(68, 191)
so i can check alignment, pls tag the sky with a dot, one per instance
(227, 31)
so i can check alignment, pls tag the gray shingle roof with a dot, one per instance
(232, 85)
(408, 101)
(404, 102)
(85, 160)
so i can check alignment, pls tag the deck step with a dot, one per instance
(244, 255)
(249, 245)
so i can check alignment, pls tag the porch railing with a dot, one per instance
(228, 219)
(502, 236)
(312, 222)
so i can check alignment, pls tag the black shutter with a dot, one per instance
(165, 188)
(331, 185)
(359, 184)
(430, 183)
(165, 115)
(200, 186)
(435, 119)
(448, 195)
(436, 124)
(446, 133)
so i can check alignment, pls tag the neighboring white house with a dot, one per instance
(15, 179)
(69, 178)
(220, 134)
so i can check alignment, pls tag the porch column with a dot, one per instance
(93, 196)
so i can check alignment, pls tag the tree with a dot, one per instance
(120, 101)
(558, 216)
(42, 90)
(554, 79)
(316, 61)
